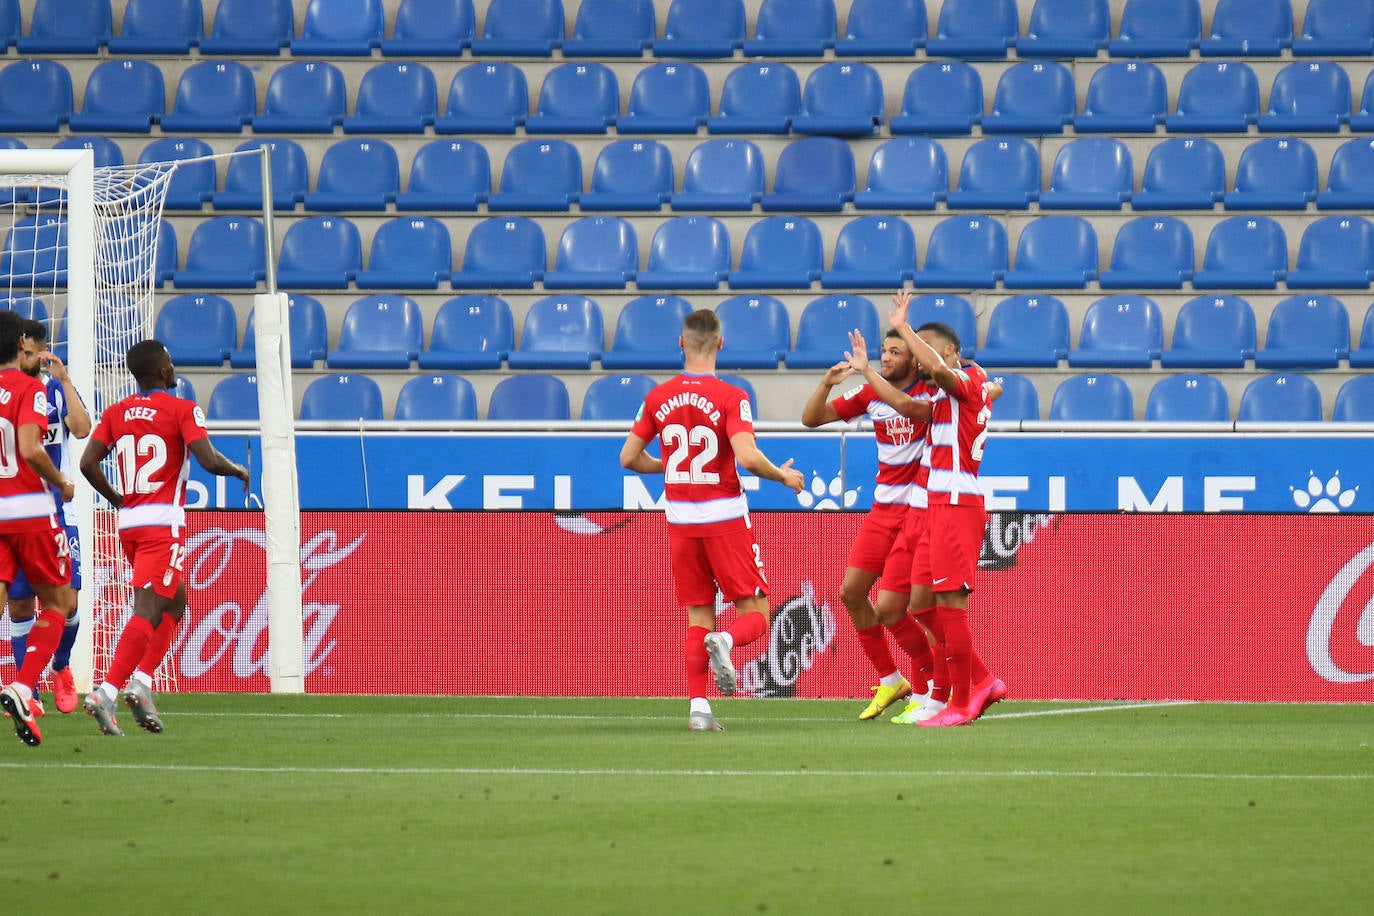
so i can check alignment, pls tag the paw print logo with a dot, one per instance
(1324, 496)
(827, 495)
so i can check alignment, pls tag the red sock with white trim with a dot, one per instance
(158, 645)
(929, 619)
(133, 642)
(873, 640)
(696, 661)
(43, 640)
(915, 643)
(958, 652)
(747, 628)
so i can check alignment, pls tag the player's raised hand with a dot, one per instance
(54, 365)
(900, 300)
(838, 373)
(857, 354)
(791, 477)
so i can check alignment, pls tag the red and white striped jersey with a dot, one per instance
(958, 428)
(693, 417)
(24, 496)
(901, 441)
(149, 433)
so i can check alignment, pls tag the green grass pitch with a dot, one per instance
(402, 805)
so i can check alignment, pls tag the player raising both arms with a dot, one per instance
(705, 425)
(153, 435)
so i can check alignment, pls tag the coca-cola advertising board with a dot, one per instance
(1068, 606)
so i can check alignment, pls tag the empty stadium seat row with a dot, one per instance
(838, 98)
(700, 28)
(474, 331)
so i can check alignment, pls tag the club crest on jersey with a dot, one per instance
(40, 402)
(900, 430)
(746, 411)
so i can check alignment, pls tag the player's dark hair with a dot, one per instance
(11, 329)
(942, 330)
(702, 321)
(145, 359)
(892, 332)
(35, 330)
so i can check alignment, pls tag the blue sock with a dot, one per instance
(63, 657)
(19, 640)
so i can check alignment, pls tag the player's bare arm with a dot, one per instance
(633, 457)
(95, 475)
(754, 461)
(929, 358)
(899, 400)
(78, 420)
(214, 461)
(31, 448)
(818, 410)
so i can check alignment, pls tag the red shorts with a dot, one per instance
(947, 557)
(880, 529)
(157, 556)
(41, 554)
(729, 560)
(897, 571)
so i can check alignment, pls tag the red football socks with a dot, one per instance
(958, 653)
(914, 642)
(158, 645)
(43, 640)
(747, 628)
(873, 640)
(133, 643)
(929, 619)
(696, 661)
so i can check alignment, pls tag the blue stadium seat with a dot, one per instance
(342, 396)
(383, 331)
(1190, 397)
(755, 332)
(647, 332)
(520, 28)
(362, 174)
(1306, 332)
(687, 252)
(1355, 401)
(431, 28)
(576, 98)
(1336, 28)
(1032, 97)
(243, 177)
(1249, 28)
(473, 331)
(394, 98)
(1150, 252)
(529, 397)
(757, 98)
(320, 252)
(948, 309)
(1054, 251)
(1093, 397)
(539, 175)
(225, 251)
(105, 151)
(250, 27)
(132, 232)
(1019, 399)
(1244, 252)
(340, 28)
(630, 175)
(823, 330)
(779, 251)
(1158, 28)
(26, 307)
(997, 173)
(1212, 332)
(234, 397)
(1124, 97)
(35, 95)
(1274, 174)
(1216, 98)
(743, 384)
(1363, 357)
(159, 27)
(1090, 173)
(1280, 398)
(1350, 179)
(67, 27)
(35, 252)
(166, 253)
(872, 252)
(905, 173)
(974, 29)
(192, 183)
(303, 97)
(1125, 331)
(721, 174)
(10, 195)
(437, 397)
(10, 23)
(702, 28)
(616, 397)
(1308, 97)
(408, 252)
(218, 96)
(812, 173)
(793, 28)
(485, 98)
(1026, 331)
(309, 334)
(883, 28)
(122, 96)
(199, 330)
(1181, 174)
(841, 98)
(1362, 121)
(447, 175)
(667, 98)
(1066, 28)
(1334, 252)
(595, 252)
(964, 251)
(612, 28)
(502, 252)
(560, 332)
(940, 97)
